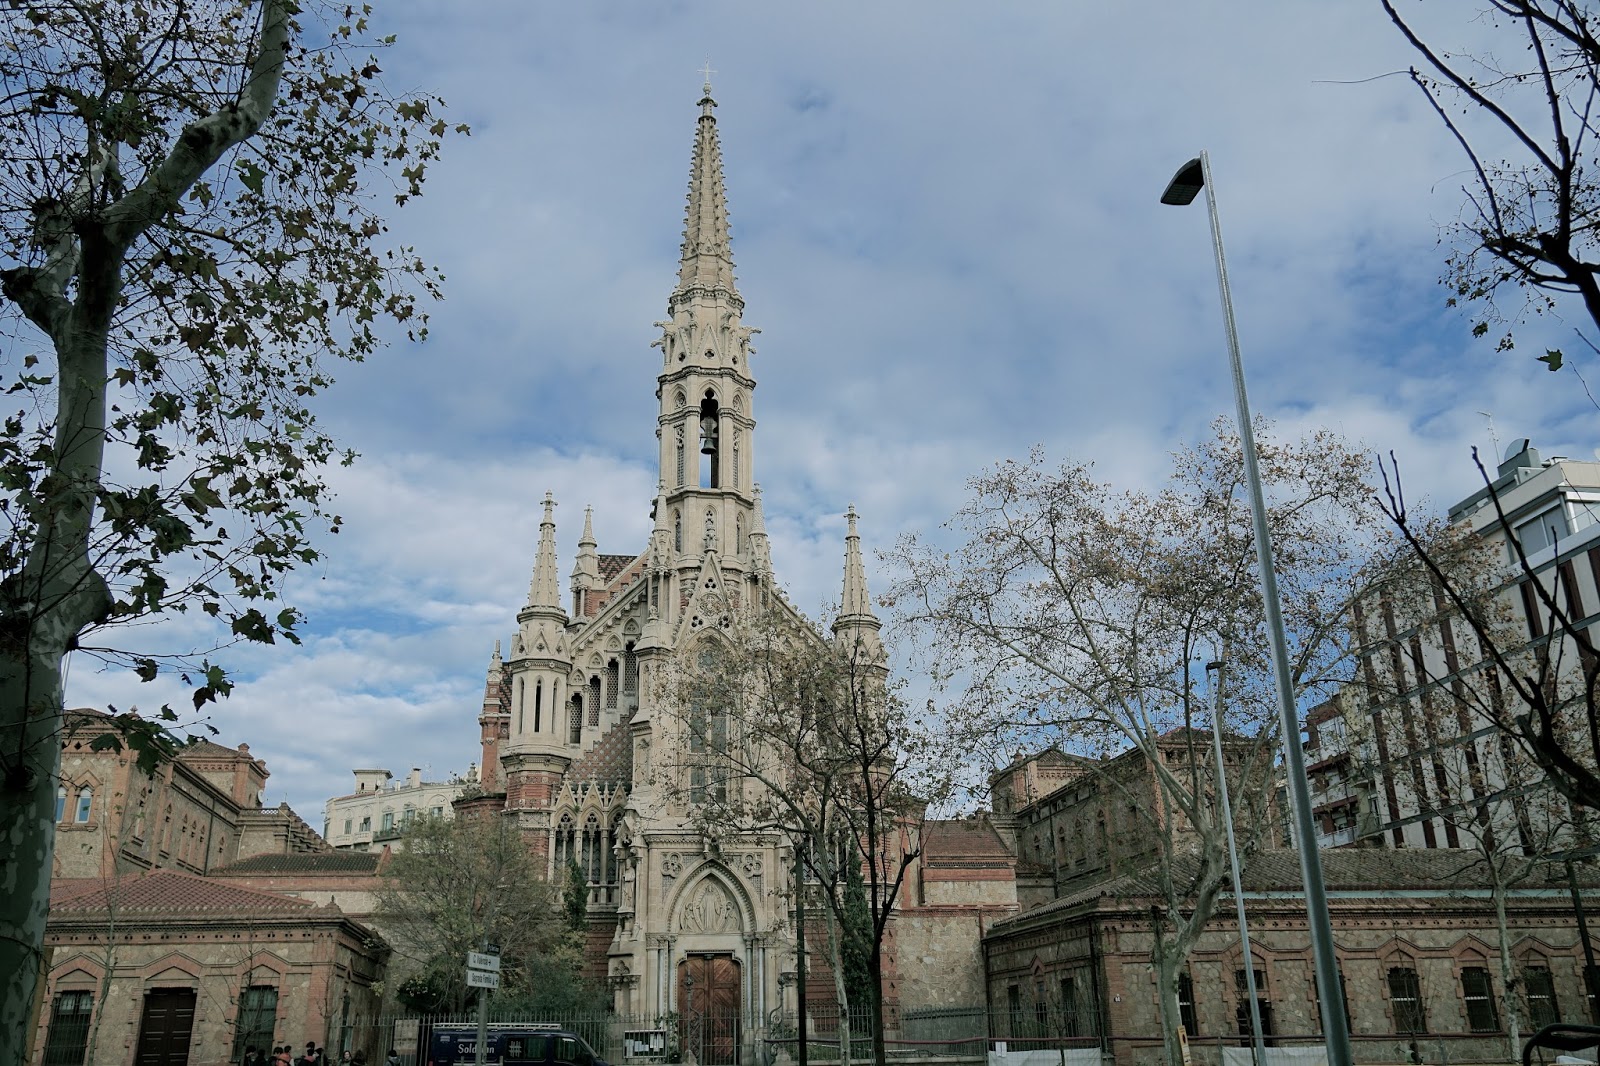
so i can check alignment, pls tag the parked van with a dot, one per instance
(510, 1044)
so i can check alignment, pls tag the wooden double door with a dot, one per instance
(166, 1027)
(708, 1009)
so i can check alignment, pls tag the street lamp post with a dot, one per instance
(1184, 187)
(1214, 683)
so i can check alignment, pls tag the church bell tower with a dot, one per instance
(705, 389)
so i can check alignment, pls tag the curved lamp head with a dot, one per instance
(1185, 184)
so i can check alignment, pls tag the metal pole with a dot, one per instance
(1258, 1045)
(483, 1018)
(1335, 1026)
(800, 951)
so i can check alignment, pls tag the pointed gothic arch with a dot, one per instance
(740, 917)
(710, 439)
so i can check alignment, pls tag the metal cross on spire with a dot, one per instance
(706, 72)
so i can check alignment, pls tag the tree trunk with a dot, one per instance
(880, 1053)
(1507, 974)
(57, 594)
(30, 721)
(1167, 963)
(836, 955)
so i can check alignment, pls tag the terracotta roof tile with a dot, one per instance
(167, 891)
(1344, 870)
(321, 862)
(610, 761)
(963, 839)
(205, 749)
(612, 565)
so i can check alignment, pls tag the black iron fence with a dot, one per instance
(951, 1036)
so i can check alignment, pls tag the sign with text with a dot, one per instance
(479, 961)
(406, 1035)
(482, 979)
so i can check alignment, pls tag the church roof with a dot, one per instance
(167, 892)
(610, 761)
(612, 565)
(962, 840)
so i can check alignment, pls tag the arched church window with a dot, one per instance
(85, 804)
(738, 534)
(677, 531)
(710, 430)
(61, 802)
(594, 700)
(575, 729)
(613, 682)
(630, 671)
(680, 457)
(736, 459)
(564, 849)
(708, 743)
(538, 703)
(520, 721)
(593, 861)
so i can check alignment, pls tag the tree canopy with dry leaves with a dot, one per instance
(1523, 109)
(1076, 615)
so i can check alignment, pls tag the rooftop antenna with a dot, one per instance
(1493, 437)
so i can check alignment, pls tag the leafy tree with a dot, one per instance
(575, 896)
(1529, 225)
(189, 236)
(454, 886)
(856, 937)
(1074, 612)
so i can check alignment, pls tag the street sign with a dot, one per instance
(482, 979)
(478, 961)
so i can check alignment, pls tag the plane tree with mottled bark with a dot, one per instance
(191, 238)
(1076, 614)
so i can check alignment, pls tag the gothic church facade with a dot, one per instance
(569, 720)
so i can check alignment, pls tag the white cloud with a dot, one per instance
(945, 222)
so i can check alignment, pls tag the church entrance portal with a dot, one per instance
(708, 1009)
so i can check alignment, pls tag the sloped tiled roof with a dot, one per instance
(348, 863)
(962, 840)
(205, 749)
(1351, 871)
(610, 761)
(612, 565)
(170, 892)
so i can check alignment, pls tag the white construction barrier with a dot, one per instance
(1078, 1056)
(1312, 1055)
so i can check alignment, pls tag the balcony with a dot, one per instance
(1338, 838)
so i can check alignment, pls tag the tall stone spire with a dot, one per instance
(586, 569)
(706, 422)
(856, 603)
(856, 621)
(706, 256)
(760, 549)
(545, 588)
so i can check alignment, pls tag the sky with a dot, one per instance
(945, 222)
